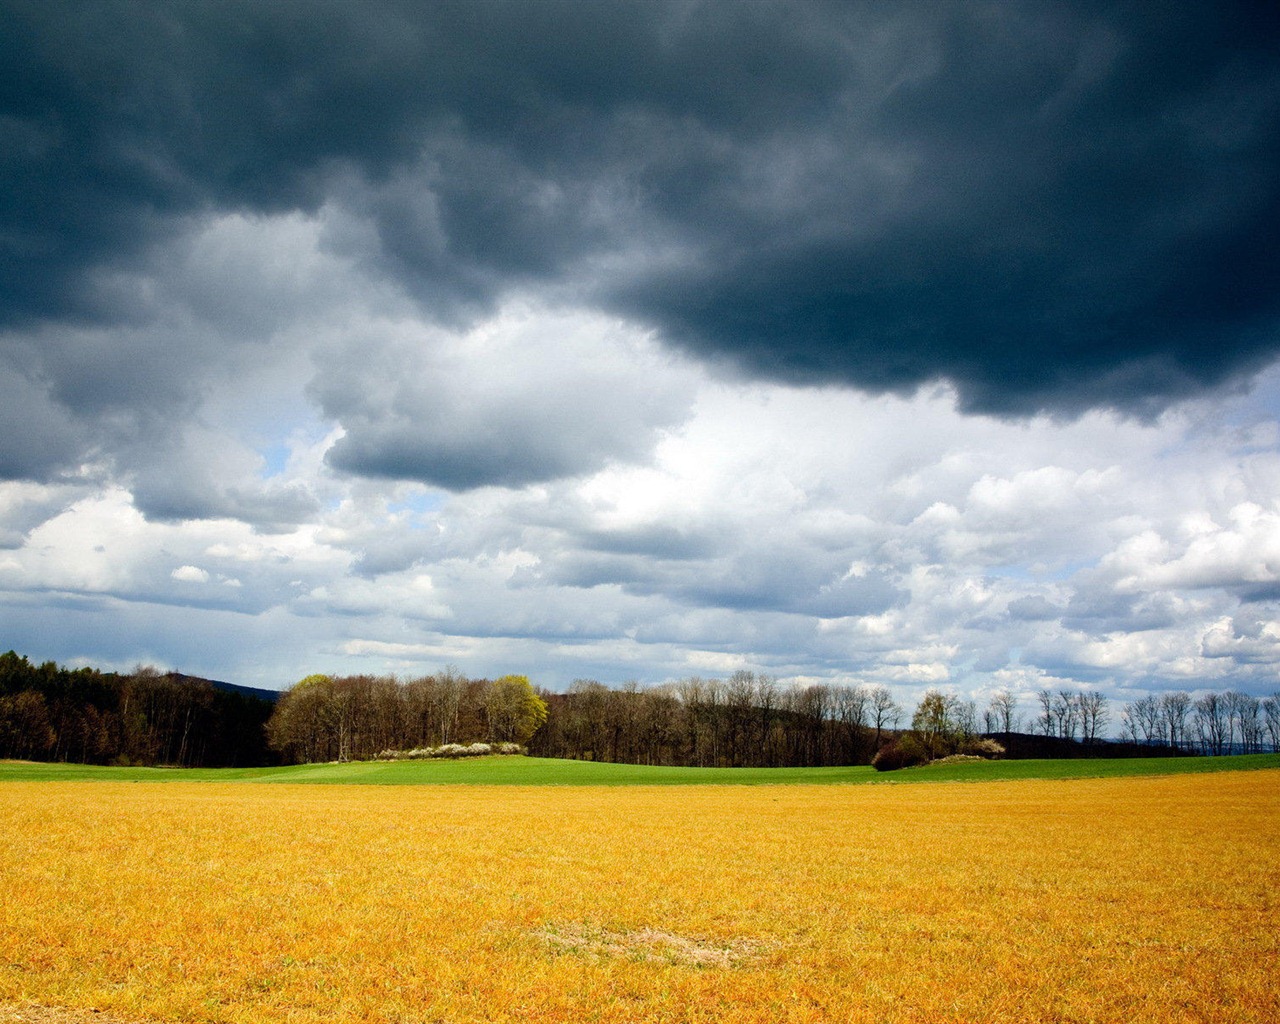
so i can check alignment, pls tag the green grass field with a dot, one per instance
(535, 771)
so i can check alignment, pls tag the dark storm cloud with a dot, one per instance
(49, 441)
(1053, 206)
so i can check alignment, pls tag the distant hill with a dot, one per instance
(270, 696)
(52, 713)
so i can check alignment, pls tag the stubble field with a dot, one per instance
(1137, 899)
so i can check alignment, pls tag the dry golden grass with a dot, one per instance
(1098, 900)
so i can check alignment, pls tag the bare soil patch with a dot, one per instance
(30, 1013)
(652, 944)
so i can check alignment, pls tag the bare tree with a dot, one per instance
(885, 711)
(690, 693)
(849, 709)
(1066, 713)
(740, 716)
(1003, 709)
(1129, 723)
(1145, 713)
(1175, 706)
(1243, 728)
(1271, 718)
(588, 727)
(1232, 708)
(448, 702)
(1211, 723)
(659, 710)
(713, 719)
(622, 718)
(767, 698)
(1092, 707)
(1250, 724)
(1046, 719)
(810, 705)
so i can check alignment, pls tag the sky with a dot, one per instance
(932, 345)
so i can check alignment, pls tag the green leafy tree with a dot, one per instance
(304, 725)
(515, 712)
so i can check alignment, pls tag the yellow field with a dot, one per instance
(1098, 900)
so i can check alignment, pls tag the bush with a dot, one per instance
(909, 750)
(905, 751)
(982, 747)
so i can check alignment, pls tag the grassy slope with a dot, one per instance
(532, 771)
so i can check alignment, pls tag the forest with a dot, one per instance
(146, 717)
(750, 719)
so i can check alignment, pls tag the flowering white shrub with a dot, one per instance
(451, 750)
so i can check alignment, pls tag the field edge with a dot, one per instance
(530, 771)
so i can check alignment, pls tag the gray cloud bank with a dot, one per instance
(1052, 206)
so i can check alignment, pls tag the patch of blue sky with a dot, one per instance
(419, 503)
(275, 459)
(278, 440)
(1254, 412)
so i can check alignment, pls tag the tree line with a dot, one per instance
(747, 720)
(146, 717)
(357, 718)
(750, 720)
(1213, 723)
